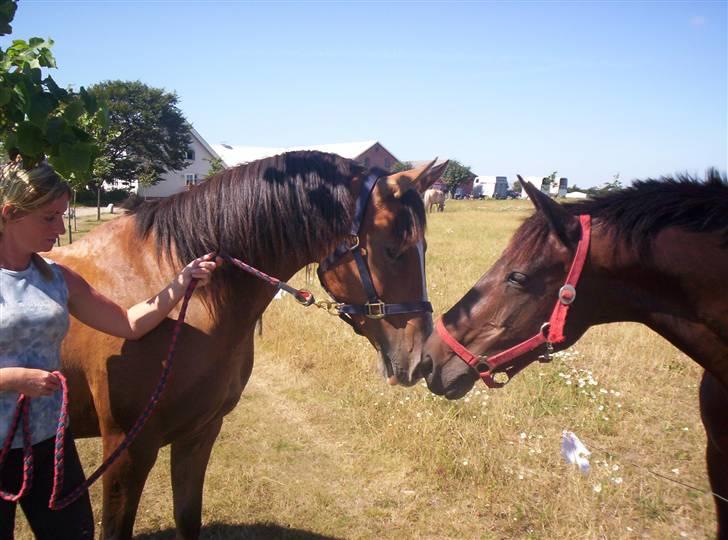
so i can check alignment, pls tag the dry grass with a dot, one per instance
(319, 446)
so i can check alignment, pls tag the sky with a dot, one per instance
(588, 89)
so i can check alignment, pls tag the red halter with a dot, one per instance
(551, 332)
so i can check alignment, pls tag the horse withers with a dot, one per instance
(277, 214)
(655, 253)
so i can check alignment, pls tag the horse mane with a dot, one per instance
(637, 213)
(296, 205)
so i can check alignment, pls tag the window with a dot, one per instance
(190, 179)
(190, 154)
(366, 162)
(386, 163)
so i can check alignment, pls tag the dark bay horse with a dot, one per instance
(657, 254)
(277, 214)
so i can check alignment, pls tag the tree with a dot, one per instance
(38, 119)
(146, 135)
(216, 165)
(456, 174)
(402, 166)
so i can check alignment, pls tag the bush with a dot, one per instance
(87, 197)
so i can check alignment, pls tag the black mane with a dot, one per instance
(639, 212)
(296, 205)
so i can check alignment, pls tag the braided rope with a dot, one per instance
(21, 411)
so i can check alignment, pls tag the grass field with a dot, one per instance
(321, 447)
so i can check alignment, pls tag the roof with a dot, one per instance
(204, 144)
(236, 155)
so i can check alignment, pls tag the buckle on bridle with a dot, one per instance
(567, 294)
(353, 242)
(374, 310)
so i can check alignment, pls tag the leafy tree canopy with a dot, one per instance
(38, 119)
(456, 174)
(147, 133)
(402, 166)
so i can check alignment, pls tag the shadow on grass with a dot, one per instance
(255, 531)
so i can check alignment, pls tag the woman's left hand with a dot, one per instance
(200, 269)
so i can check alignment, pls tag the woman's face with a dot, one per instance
(38, 230)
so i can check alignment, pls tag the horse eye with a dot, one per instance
(517, 278)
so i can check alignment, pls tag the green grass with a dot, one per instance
(320, 444)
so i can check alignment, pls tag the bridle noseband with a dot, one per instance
(374, 308)
(551, 332)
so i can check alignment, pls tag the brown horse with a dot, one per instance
(277, 214)
(658, 256)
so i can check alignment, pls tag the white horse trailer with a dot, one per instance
(494, 187)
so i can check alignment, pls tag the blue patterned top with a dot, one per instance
(33, 322)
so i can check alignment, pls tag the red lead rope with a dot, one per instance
(507, 361)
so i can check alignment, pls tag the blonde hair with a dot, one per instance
(28, 190)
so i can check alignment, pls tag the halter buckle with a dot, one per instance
(375, 310)
(353, 242)
(567, 294)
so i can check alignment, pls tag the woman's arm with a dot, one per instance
(31, 382)
(95, 310)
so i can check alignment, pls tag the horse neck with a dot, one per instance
(660, 291)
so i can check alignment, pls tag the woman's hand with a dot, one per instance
(31, 382)
(200, 269)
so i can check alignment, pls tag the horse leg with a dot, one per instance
(123, 485)
(713, 404)
(189, 463)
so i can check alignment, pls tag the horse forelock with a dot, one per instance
(290, 207)
(410, 221)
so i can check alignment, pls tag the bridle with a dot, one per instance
(375, 307)
(550, 334)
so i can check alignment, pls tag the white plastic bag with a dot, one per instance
(574, 451)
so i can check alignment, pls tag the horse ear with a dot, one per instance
(425, 181)
(399, 183)
(565, 225)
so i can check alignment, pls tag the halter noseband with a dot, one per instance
(551, 332)
(375, 308)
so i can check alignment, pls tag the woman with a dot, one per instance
(36, 296)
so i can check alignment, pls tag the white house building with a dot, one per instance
(199, 159)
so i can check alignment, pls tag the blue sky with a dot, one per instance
(589, 89)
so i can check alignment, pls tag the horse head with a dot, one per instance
(504, 318)
(378, 277)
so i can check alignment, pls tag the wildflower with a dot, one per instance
(597, 488)
(676, 471)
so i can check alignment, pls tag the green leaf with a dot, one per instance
(89, 101)
(30, 139)
(41, 106)
(5, 95)
(73, 111)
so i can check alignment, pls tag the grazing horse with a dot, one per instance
(435, 197)
(278, 214)
(657, 254)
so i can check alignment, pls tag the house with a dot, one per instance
(367, 153)
(199, 159)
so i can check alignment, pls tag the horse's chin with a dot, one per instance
(393, 376)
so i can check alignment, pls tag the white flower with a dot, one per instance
(617, 480)
(676, 471)
(597, 488)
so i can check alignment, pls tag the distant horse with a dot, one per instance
(657, 254)
(277, 214)
(435, 197)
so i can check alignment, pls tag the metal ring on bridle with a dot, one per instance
(567, 294)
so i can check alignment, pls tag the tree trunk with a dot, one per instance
(98, 202)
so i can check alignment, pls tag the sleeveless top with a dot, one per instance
(33, 322)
